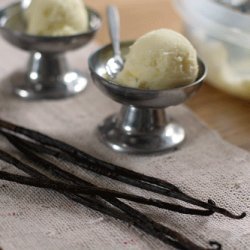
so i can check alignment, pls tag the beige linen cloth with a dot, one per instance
(205, 167)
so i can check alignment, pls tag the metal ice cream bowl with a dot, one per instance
(48, 75)
(142, 125)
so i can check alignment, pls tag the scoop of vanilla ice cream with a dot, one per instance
(160, 59)
(56, 17)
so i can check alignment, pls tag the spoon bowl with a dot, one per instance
(114, 65)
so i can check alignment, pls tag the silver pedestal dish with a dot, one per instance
(48, 75)
(142, 125)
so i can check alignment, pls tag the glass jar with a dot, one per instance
(221, 36)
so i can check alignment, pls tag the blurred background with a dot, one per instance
(138, 17)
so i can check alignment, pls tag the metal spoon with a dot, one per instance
(25, 4)
(116, 63)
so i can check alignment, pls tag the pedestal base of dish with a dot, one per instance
(48, 77)
(24, 88)
(140, 131)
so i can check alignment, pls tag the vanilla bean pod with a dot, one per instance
(46, 184)
(21, 146)
(150, 223)
(30, 170)
(107, 169)
(77, 189)
(138, 224)
(139, 220)
(98, 206)
(41, 177)
(114, 202)
(44, 139)
(62, 187)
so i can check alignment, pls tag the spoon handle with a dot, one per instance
(114, 28)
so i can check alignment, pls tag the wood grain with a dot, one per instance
(227, 115)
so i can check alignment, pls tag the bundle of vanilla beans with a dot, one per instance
(43, 173)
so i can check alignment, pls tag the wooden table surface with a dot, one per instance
(227, 115)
